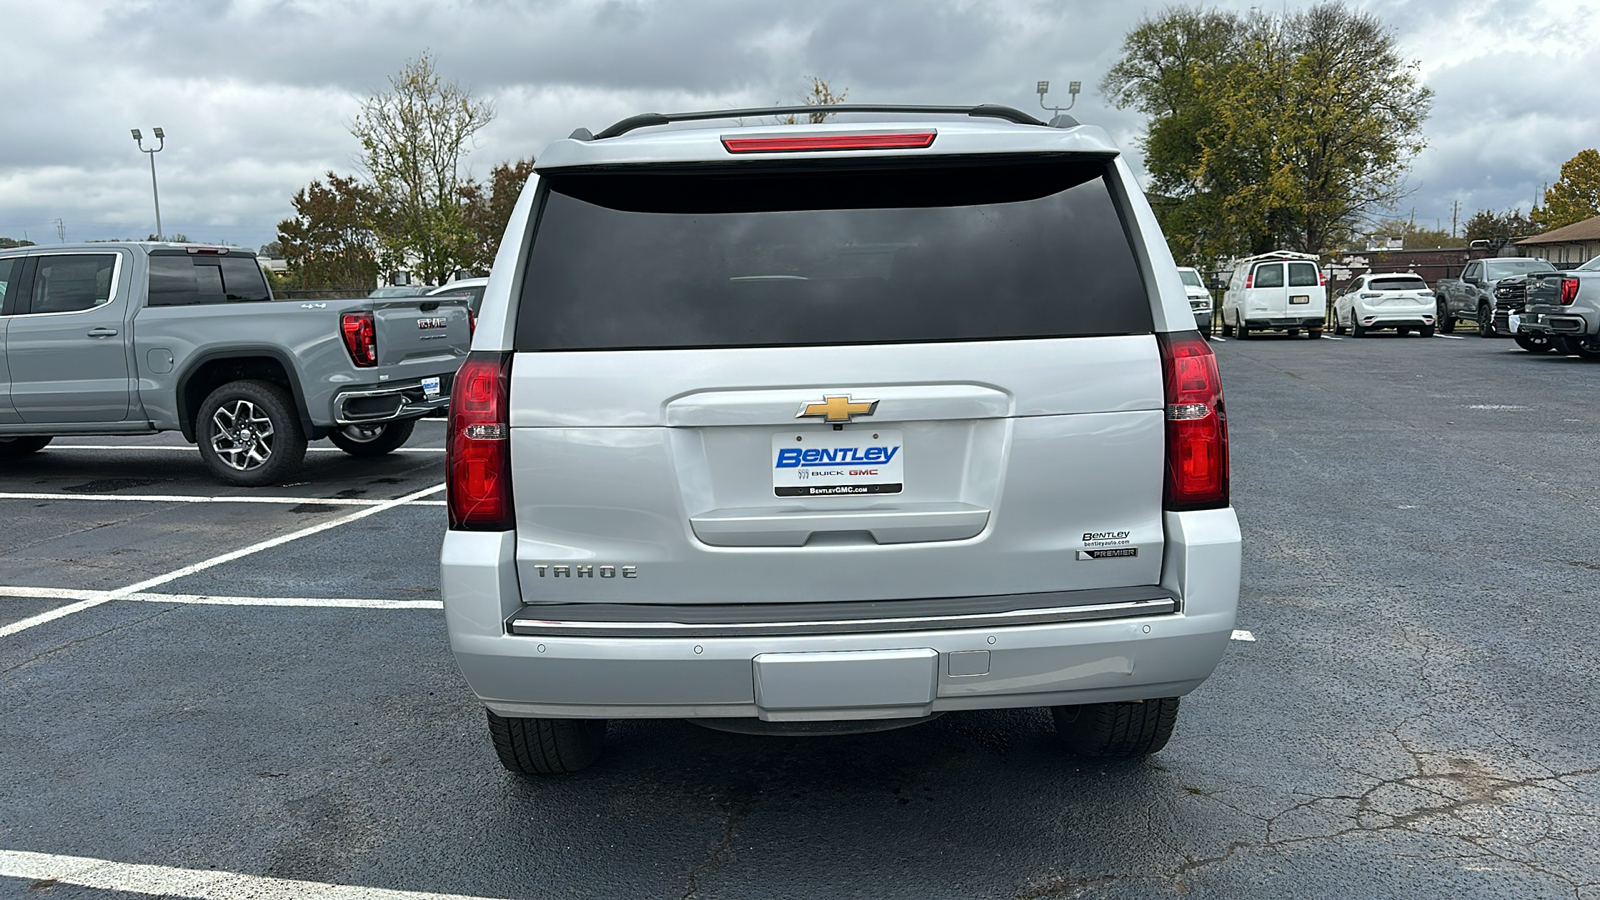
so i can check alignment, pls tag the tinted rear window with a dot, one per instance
(790, 258)
(183, 279)
(1397, 284)
(1302, 274)
(1269, 276)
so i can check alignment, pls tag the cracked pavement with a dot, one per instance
(1415, 719)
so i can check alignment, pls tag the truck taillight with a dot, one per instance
(478, 451)
(1197, 424)
(1569, 291)
(1249, 280)
(360, 338)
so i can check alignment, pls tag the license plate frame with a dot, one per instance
(1300, 299)
(851, 463)
(431, 387)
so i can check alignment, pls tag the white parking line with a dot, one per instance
(201, 566)
(217, 600)
(1220, 340)
(1240, 635)
(186, 498)
(1332, 337)
(198, 884)
(1450, 337)
(189, 449)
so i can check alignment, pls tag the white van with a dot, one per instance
(1278, 290)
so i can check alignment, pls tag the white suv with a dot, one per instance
(835, 427)
(1402, 302)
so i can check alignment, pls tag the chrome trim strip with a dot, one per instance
(407, 408)
(571, 628)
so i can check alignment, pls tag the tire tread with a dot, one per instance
(546, 746)
(1117, 730)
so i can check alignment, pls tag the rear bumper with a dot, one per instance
(1564, 322)
(1287, 322)
(1384, 319)
(389, 402)
(898, 670)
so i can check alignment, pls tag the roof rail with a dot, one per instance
(644, 120)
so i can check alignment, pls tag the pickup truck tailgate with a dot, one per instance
(421, 336)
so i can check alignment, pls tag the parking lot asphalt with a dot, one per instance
(249, 693)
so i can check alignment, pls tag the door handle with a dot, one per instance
(102, 332)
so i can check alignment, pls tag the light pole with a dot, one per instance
(1072, 88)
(139, 139)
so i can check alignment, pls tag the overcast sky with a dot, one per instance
(256, 95)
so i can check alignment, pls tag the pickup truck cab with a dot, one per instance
(143, 337)
(1281, 290)
(1564, 308)
(1471, 297)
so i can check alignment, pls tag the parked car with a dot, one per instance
(390, 291)
(1199, 298)
(470, 288)
(1565, 308)
(1375, 301)
(1281, 291)
(1471, 297)
(142, 337)
(836, 427)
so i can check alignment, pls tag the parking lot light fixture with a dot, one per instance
(1073, 87)
(161, 136)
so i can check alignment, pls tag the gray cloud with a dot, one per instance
(256, 95)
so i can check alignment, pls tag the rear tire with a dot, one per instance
(1534, 343)
(1585, 349)
(1485, 321)
(1338, 326)
(1355, 326)
(249, 433)
(1227, 330)
(1563, 344)
(1402, 330)
(1447, 325)
(547, 746)
(372, 440)
(1427, 331)
(1116, 730)
(1244, 330)
(13, 447)
(1314, 334)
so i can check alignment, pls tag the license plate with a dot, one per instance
(430, 387)
(1300, 298)
(816, 463)
(1513, 322)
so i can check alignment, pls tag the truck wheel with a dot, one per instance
(372, 440)
(1243, 329)
(547, 746)
(1534, 343)
(249, 433)
(1585, 348)
(22, 446)
(1227, 330)
(1314, 332)
(1447, 325)
(1117, 730)
(1485, 321)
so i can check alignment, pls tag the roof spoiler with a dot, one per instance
(645, 120)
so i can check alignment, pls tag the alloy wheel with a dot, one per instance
(243, 435)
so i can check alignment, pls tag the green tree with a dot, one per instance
(1269, 131)
(414, 141)
(1574, 197)
(487, 209)
(7, 243)
(821, 94)
(1487, 225)
(329, 242)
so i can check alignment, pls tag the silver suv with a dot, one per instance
(835, 427)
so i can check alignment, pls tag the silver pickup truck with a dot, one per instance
(1471, 297)
(1563, 307)
(137, 338)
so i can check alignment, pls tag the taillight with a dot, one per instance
(360, 338)
(478, 453)
(472, 323)
(908, 141)
(1197, 424)
(1569, 291)
(1321, 282)
(1249, 280)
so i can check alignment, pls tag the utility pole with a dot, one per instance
(1455, 211)
(139, 139)
(61, 231)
